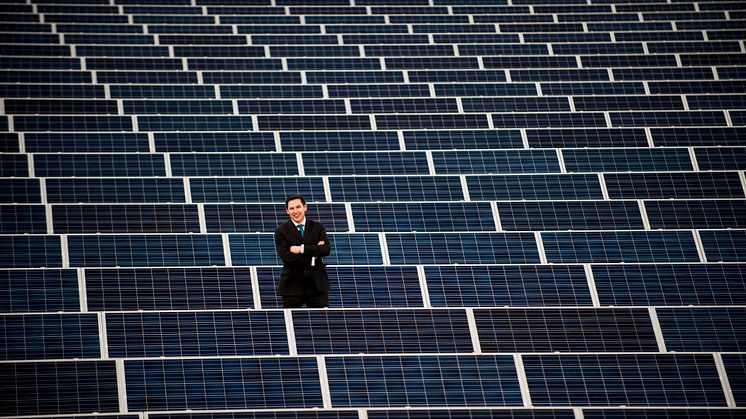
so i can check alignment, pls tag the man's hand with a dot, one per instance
(295, 249)
(321, 243)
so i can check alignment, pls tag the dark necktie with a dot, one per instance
(300, 228)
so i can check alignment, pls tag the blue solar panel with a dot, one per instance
(464, 139)
(60, 106)
(49, 336)
(519, 104)
(72, 123)
(381, 331)
(499, 161)
(287, 106)
(469, 248)
(591, 137)
(620, 246)
(365, 163)
(621, 103)
(355, 286)
(724, 245)
(549, 120)
(226, 142)
(203, 333)
(721, 158)
(339, 141)
(533, 187)
(670, 284)
(259, 250)
(627, 160)
(265, 164)
(424, 217)
(570, 215)
(189, 107)
(702, 329)
(319, 122)
(698, 136)
(735, 367)
(120, 190)
(171, 218)
(68, 387)
(222, 383)
(255, 189)
(668, 413)
(165, 288)
(14, 165)
(25, 251)
(687, 185)
(422, 381)
(99, 165)
(145, 250)
(623, 380)
(86, 142)
(265, 218)
(696, 214)
(35, 290)
(525, 285)
(396, 188)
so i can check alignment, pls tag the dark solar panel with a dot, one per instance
(255, 164)
(45, 123)
(68, 387)
(244, 383)
(463, 139)
(570, 215)
(99, 165)
(120, 190)
(49, 336)
(196, 333)
(225, 142)
(549, 120)
(627, 160)
(670, 284)
(696, 214)
(265, 218)
(145, 250)
(473, 413)
(259, 250)
(687, 185)
(399, 381)
(620, 246)
(669, 413)
(365, 163)
(534, 187)
(469, 248)
(721, 158)
(702, 329)
(735, 368)
(396, 188)
(339, 141)
(502, 161)
(623, 380)
(35, 290)
(355, 286)
(423, 217)
(724, 245)
(166, 289)
(381, 331)
(86, 142)
(172, 218)
(591, 137)
(269, 189)
(27, 251)
(14, 165)
(707, 136)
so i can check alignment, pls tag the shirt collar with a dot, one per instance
(303, 221)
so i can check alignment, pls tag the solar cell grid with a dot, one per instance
(99, 165)
(237, 218)
(462, 139)
(696, 214)
(423, 217)
(677, 185)
(724, 245)
(27, 251)
(226, 142)
(23, 219)
(170, 218)
(620, 246)
(365, 163)
(346, 249)
(534, 187)
(702, 329)
(267, 189)
(469, 248)
(570, 215)
(497, 161)
(396, 188)
(627, 159)
(590, 137)
(49, 336)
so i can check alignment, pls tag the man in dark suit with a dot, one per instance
(301, 243)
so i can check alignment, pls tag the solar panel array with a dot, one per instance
(537, 208)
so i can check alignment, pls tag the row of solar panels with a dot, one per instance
(378, 63)
(394, 121)
(675, 185)
(587, 380)
(295, 141)
(377, 217)
(214, 288)
(373, 331)
(154, 250)
(606, 102)
(519, 161)
(166, 78)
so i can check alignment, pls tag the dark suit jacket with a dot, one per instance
(298, 276)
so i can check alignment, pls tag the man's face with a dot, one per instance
(296, 210)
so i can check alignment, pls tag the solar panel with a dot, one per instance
(172, 218)
(396, 188)
(702, 329)
(521, 104)
(158, 107)
(686, 185)
(519, 285)
(570, 215)
(265, 218)
(266, 91)
(627, 160)
(266, 189)
(696, 214)
(339, 141)
(49, 336)
(399, 381)
(99, 165)
(355, 286)
(36, 290)
(26, 251)
(365, 163)
(245, 383)
(724, 245)
(203, 333)
(503, 161)
(616, 103)
(462, 139)
(114, 190)
(67, 106)
(68, 387)
(392, 105)
(87, 142)
(244, 164)
(534, 187)
(623, 380)
(304, 106)
(381, 331)
(162, 288)
(14, 165)
(145, 250)
(317, 122)
(469, 248)
(424, 217)
(549, 120)
(226, 142)
(72, 123)
(259, 250)
(670, 284)
(620, 246)
(721, 158)
(659, 413)
(705, 136)
(735, 367)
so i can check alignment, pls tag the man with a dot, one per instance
(301, 243)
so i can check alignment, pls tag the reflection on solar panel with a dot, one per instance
(537, 208)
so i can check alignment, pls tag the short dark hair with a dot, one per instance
(294, 197)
